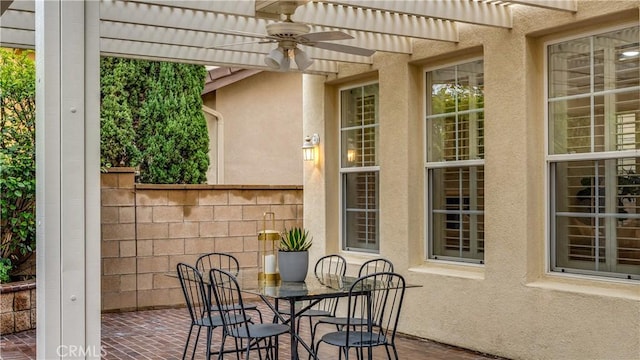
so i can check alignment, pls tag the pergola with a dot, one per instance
(70, 36)
(193, 31)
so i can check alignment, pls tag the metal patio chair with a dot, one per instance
(199, 306)
(227, 295)
(368, 267)
(224, 261)
(380, 310)
(329, 264)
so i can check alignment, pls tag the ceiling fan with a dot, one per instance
(288, 35)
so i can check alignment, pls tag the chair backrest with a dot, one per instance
(331, 264)
(228, 301)
(193, 288)
(334, 265)
(374, 266)
(380, 307)
(217, 260)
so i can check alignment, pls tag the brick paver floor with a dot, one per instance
(160, 334)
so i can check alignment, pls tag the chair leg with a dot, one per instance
(195, 345)
(235, 340)
(208, 344)
(186, 344)
(249, 349)
(221, 352)
(313, 336)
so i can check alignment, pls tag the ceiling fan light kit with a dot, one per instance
(288, 35)
(279, 59)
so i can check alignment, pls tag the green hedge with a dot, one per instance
(17, 159)
(151, 118)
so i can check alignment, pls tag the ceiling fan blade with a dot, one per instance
(342, 48)
(222, 46)
(244, 33)
(325, 36)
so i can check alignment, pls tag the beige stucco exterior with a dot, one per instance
(260, 127)
(512, 305)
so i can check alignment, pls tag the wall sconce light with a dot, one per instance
(309, 147)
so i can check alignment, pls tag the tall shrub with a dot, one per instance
(160, 104)
(118, 136)
(173, 131)
(17, 157)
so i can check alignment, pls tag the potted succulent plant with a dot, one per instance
(293, 255)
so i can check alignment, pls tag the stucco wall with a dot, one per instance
(510, 306)
(148, 229)
(262, 129)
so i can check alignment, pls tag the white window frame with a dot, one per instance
(428, 241)
(550, 159)
(345, 170)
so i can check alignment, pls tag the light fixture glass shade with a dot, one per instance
(308, 150)
(284, 64)
(302, 59)
(275, 58)
(309, 147)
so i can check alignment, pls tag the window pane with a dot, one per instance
(570, 126)
(443, 91)
(609, 122)
(470, 81)
(457, 88)
(613, 68)
(570, 68)
(359, 126)
(594, 64)
(455, 120)
(457, 222)
(361, 211)
(598, 215)
(351, 107)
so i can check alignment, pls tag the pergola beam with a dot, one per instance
(466, 11)
(365, 19)
(562, 5)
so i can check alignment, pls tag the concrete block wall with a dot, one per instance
(148, 229)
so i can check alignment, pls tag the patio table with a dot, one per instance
(312, 289)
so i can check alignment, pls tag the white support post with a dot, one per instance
(68, 182)
(314, 193)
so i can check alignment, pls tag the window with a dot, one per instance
(359, 168)
(594, 137)
(455, 162)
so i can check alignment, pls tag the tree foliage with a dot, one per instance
(117, 143)
(17, 156)
(151, 117)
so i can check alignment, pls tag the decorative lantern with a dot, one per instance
(268, 241)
